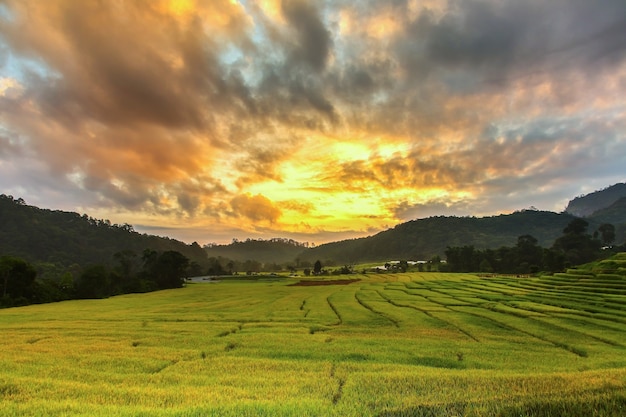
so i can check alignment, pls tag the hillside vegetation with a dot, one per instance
(424, 238)
(614, 214)
(414, 240)
(417, 344)
(48, 256)
(587, 205)
(268, 251)
(66, 238)
(59, 243)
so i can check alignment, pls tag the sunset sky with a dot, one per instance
(314, 120)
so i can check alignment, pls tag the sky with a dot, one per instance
(313, 120)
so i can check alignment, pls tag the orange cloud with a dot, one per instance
(256, 208)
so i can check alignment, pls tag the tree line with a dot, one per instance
(23, 282)
(574, 247)
(282, 240)
(130, 273)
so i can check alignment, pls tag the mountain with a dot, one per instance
(587, 205)
(614, 214)
(268, 251)
(414, 240)
(66, 238)
(424, 238)
(603, 206)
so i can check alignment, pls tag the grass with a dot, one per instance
(415, 344)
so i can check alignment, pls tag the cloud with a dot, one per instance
(126, 96)
(314, 44)
(257, 208)
(493, 41)
(362, 112)
(406, 211)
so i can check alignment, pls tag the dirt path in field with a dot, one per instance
(313, 283)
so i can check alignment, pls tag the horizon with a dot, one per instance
(211, 120)
(310, 244)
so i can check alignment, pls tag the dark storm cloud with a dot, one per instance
(478, 35)
(313, 39)
(488, 42)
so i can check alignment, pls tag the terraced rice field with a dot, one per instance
(380, 345)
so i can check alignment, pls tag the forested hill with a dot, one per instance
(587, 205)
(65, 238)
(614, 214)
(424, 238)
(275, 250)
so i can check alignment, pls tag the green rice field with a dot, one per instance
(414, 344)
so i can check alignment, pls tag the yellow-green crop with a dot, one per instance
(387, 345)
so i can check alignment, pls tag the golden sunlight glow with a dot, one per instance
(383, 27)
(226, 15)
(272, 9)
(349, 151)
(388, 150)
(181, 7)
(8, 85)
(312, 197)
(346, 22)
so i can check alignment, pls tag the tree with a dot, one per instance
(576, 227)
(576, 246)
(317, 267)
(607, 231)
(17, 280)
(215, 267)
(553, 260)
(94, 282)
(529, 254)
(435, 262)
(194, 269)
(124, 277)
(485, 266)
(172, 267)
(345, 270)
(251, 266)
(166, 269)
(462, 259)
